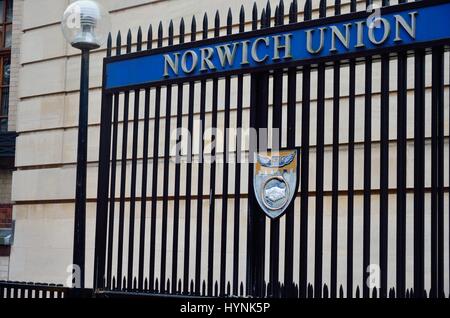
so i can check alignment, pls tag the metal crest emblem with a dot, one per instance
(275, 180)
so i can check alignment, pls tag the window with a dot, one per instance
(6, 15)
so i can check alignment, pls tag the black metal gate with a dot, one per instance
(171, 221)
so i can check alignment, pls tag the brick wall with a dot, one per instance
(5, 186)
(5, 215)
(5, 221)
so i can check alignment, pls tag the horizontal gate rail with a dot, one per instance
(31, 290)
(23, 290)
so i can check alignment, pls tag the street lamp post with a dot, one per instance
(85, 25)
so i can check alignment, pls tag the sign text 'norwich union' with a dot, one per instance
(280, 47)
(283, 46)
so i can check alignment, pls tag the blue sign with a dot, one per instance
(294, 43)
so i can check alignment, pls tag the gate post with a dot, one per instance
(102, 192)
(103, 182)
(256, 218)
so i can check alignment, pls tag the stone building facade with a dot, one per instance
(8, 29)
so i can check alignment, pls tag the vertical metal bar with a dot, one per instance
(439, 91)
(123, 177)
(252, 282)
(256, 224)
(322, 8)
(437, 169)
(434, 176)
(112, 200)
(145, 155)
(79, 239)
(144, 190)
(133, 175)
(280, 17)
(259, 98)
(401, 173)
(103, 181)
(155, 174)
(291, 128)
(223, 243)
(187, 228)
(353, 5)
(267, 16)
(262, 87)
(419, 171)
(276, 143)
(351, 178)
(304, 181)
(237, 189)
(212, 193)
(449, 193)
(122, 190)
(318, 254)
(384, 174)
(367, 172)
(198, 248)
(351, 169)
(176, 209)
(237, 198)
(304, 172)
(251, 226)
(335, 179)
(335, 169)
(164, 234)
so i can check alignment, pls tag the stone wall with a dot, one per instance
(15, 64)
(6, 175)
(4, 266)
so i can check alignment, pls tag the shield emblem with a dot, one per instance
(275, 180)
